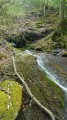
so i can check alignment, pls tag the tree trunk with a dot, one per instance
(62, 6)
(46, 4)
(44, 8)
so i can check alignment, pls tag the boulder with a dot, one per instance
(10, 99)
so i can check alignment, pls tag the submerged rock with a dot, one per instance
(10, 99)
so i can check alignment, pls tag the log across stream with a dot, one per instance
(54, 77)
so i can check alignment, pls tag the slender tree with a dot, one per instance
(44, 7)
(46, 4)
(62, 7)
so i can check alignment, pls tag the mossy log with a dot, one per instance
(30, 94)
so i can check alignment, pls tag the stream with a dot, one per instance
(51, 74)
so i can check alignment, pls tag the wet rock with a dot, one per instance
(57, 52)
(64, 54)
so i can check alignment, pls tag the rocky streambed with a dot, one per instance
(38, 87)
(55, 68)
(47, 92)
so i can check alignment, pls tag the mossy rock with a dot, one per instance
(10, 99)
(43, 45)
(46, 91)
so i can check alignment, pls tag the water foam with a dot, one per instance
(49, 75)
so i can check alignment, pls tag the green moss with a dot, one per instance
(3, 103)
(44, 45)
(10, 99)
(63, 26)
(2, 55)
(42, 87)
(60, 35)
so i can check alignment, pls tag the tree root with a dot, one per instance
(30, 94)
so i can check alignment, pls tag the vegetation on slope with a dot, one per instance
(60, 36)
(57, 39)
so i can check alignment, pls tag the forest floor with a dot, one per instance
(41, 27)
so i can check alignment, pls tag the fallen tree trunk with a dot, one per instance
(30, 94)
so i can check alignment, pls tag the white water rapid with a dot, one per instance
(62, 84)
(49, 75)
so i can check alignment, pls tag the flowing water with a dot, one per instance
(51, 75)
